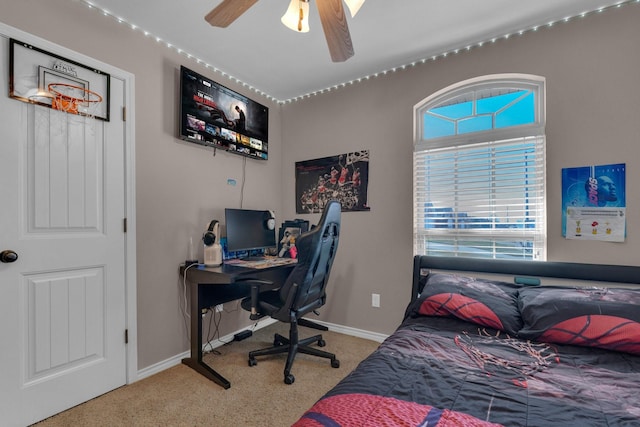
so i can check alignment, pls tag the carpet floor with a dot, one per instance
(258, 396)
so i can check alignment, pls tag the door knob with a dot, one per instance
(8, 256)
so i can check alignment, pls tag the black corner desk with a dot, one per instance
(210, 286)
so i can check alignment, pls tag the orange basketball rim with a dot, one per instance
(67, 97)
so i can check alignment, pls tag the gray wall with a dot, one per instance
(592, 103)
(593, 106)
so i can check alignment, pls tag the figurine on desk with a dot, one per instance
(288, 243)
(289, 233)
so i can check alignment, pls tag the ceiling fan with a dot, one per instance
(331, 12)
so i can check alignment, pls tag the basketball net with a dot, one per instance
(74, 99)
(80, 104)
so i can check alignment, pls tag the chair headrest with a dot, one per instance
(308, 243)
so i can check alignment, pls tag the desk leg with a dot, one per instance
(204, 369)
(195, 361)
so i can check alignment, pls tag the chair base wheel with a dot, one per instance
(335, 363)
(321, 343)
(253, 362)
(289, 379)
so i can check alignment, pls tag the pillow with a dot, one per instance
(485, 302)
(593, 317)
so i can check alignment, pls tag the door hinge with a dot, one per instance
(124, 114)
(124, 224)
(126, 336)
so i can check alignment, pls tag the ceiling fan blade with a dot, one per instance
(336, 30)
(227, 12)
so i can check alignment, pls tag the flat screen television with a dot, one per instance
(214, 115)
(247, 231)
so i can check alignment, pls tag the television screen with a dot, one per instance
(247, 230)
(214, 115)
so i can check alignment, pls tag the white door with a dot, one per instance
(62, 302)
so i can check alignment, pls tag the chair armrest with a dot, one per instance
(255, 290)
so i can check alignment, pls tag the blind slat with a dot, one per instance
(481, 200)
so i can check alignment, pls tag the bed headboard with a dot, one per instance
(560, 270)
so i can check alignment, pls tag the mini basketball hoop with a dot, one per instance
(74, 99)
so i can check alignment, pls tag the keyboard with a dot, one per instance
(261, 262)
(254, 258)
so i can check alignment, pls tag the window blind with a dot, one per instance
(483, 200)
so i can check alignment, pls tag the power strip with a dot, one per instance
(242, 335)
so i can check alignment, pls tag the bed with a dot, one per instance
(476, 351)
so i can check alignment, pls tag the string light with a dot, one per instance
(442, 55)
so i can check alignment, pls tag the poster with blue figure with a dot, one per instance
(594, 203)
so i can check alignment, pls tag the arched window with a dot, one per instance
(479, 169)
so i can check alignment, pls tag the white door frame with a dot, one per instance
(130, 206)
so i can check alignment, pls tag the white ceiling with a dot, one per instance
(260, 52)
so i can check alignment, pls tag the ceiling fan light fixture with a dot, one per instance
(354, 6)
(296, 17)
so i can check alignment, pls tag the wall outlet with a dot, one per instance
(219, 308)
(375, 300)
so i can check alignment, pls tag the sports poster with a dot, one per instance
(344, 177)
(594, 203)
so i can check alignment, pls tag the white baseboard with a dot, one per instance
(177, 359)
(360, 333)
(161, 366)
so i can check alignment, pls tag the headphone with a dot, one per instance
(270, 222)
(209, 238)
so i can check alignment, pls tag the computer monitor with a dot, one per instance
(247, 230)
